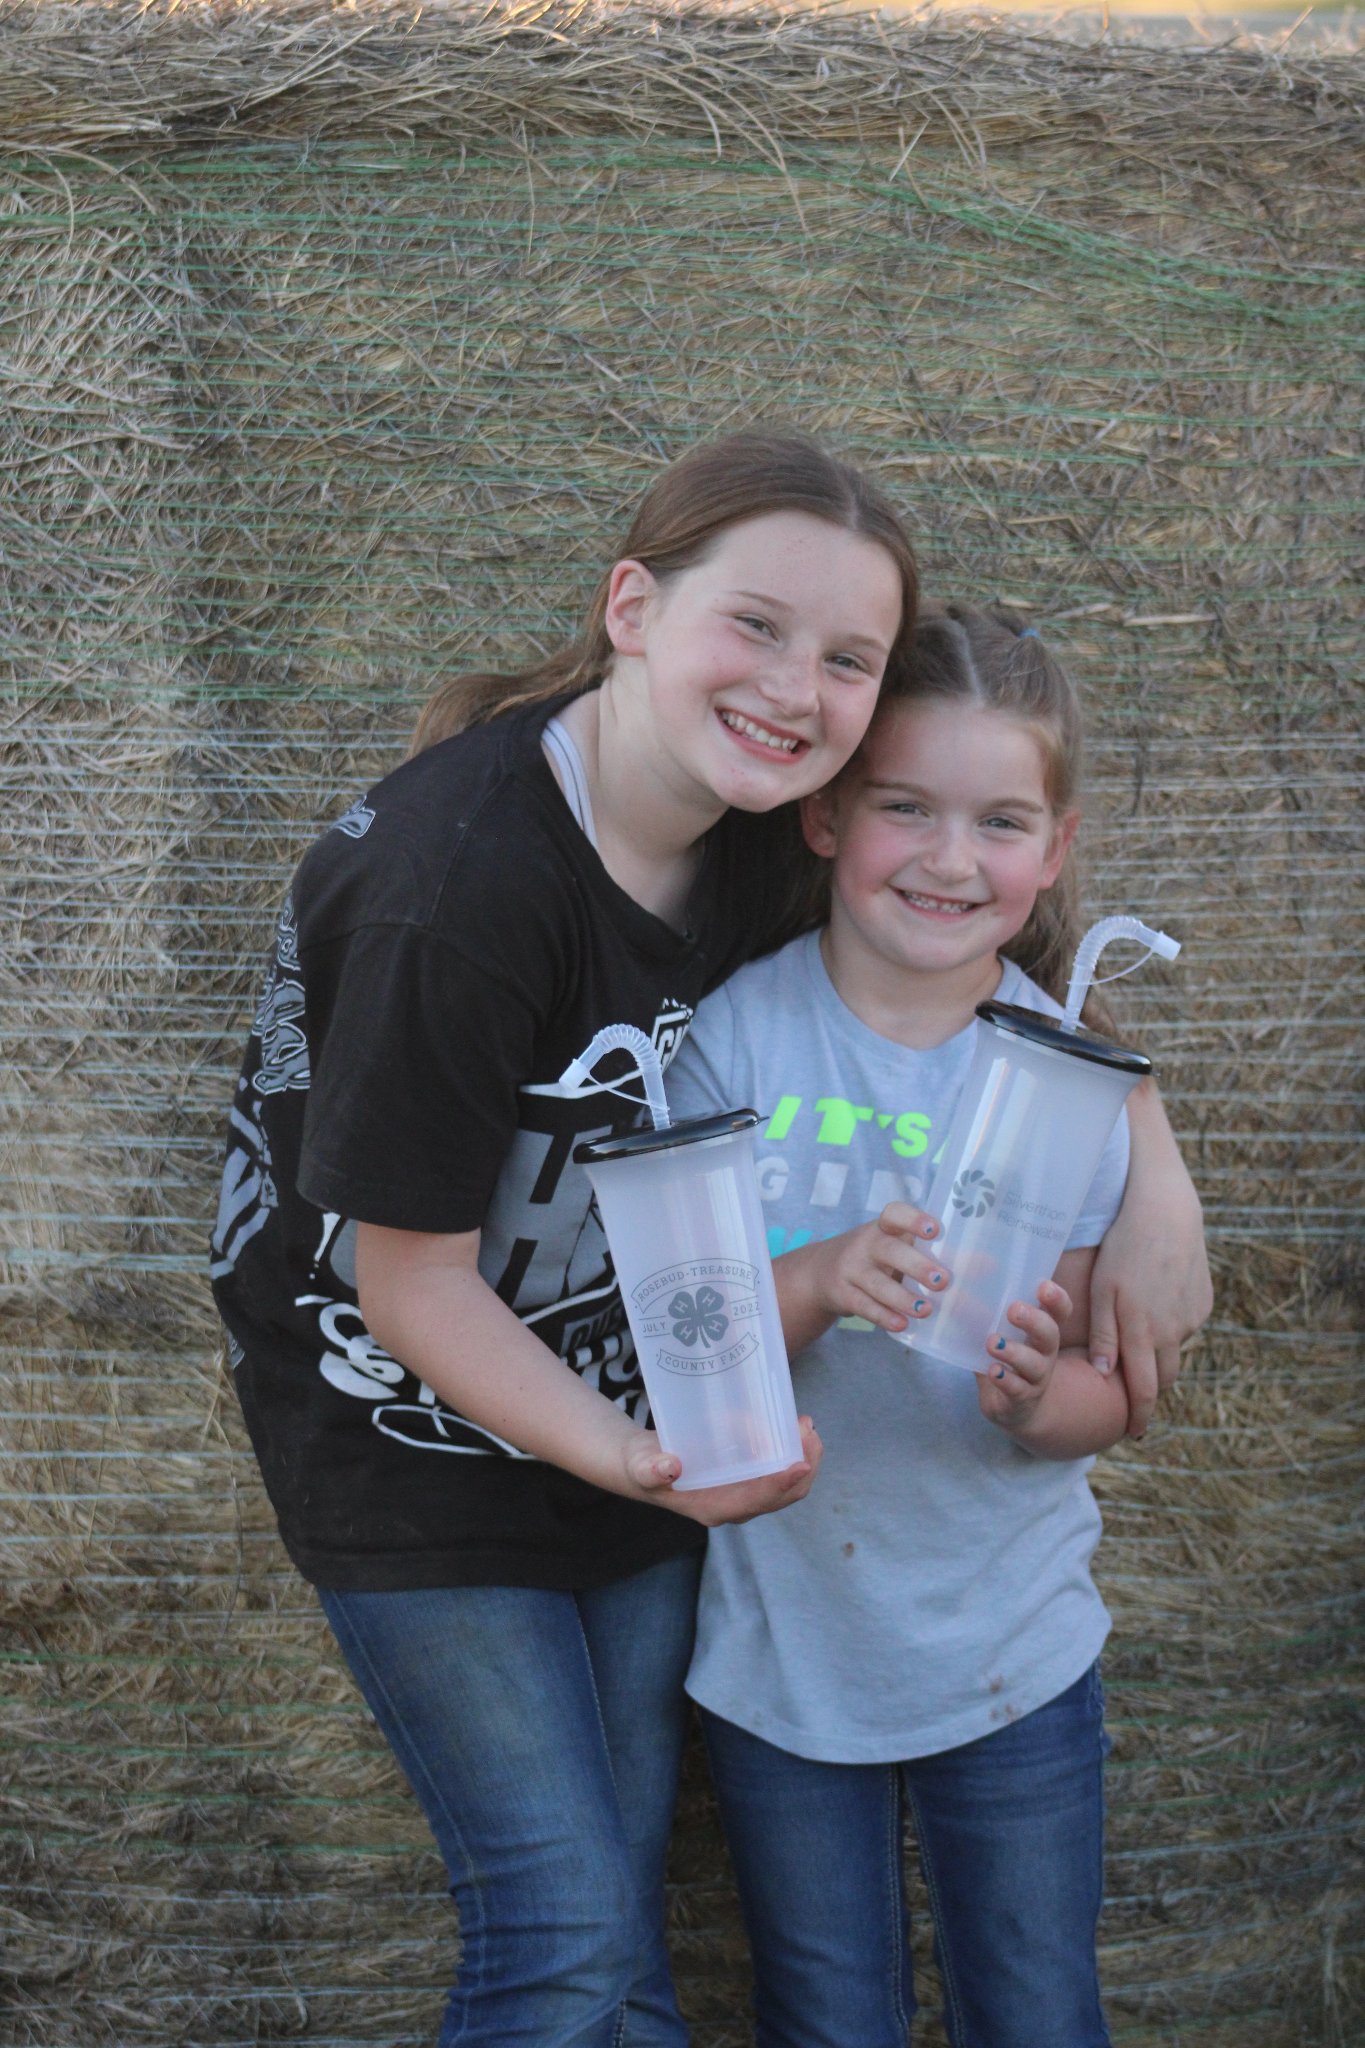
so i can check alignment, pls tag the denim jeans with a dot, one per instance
(542, 1734)
(1010, 1833)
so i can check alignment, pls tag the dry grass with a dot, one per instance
(334, 344)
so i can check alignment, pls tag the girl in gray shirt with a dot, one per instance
(922, 1630)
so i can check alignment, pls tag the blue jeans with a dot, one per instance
(1010, 1831)
(542, 1734)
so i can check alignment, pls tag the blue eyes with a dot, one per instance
(911, 810)
(851, 662)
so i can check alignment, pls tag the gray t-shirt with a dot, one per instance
(935, 1583)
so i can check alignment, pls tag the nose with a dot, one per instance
(791, 683)
(950, 856)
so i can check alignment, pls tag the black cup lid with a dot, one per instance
(693, 1130)
(1048, 1031)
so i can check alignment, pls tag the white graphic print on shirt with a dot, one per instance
(556, 1272)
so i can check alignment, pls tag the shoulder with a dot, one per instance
(736, 1026)
(461, 837)
(1020, 988)
(755, 991)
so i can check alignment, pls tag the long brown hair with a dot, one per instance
(715, 485)
(993, 660)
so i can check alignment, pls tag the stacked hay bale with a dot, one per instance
(334, 346)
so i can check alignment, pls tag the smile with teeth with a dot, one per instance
(943, 906)
(764, 735)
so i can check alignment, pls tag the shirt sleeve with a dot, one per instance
(700, 1079)
(412, 1101)
(1104, 1196)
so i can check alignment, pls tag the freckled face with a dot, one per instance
(942, 837)
(761, 663)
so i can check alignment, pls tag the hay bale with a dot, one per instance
(334, 340)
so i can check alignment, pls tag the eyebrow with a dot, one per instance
(996, 803)
(845, 639)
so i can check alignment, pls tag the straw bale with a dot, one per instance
(91, 74)
(333, 343)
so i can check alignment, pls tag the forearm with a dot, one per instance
(1079, 1412)
(425, 1300)
(448, 1326)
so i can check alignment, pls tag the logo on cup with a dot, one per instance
(973, 1192)
(698, 1318)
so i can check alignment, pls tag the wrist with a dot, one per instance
(1020, 1418)
(804, 1294)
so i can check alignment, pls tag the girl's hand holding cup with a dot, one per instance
(653, 1470)
(885, 1272)
(1022, 1367)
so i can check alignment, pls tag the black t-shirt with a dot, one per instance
(448, 946)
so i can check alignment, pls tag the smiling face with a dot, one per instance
(942, 836)
(755, 671)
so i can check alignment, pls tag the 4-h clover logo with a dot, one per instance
(698, 1317)
(973, 1192)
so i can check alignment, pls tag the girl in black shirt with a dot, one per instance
(407, 1260)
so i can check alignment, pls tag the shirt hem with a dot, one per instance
(388, 1206)
(418, 1571)
(987, 1718)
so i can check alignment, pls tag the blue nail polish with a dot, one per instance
(1001, 1374)
(936, 1279)
(999, 1343)
(920, 1306)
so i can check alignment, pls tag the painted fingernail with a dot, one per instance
(1001, 1374)
(920, 1305)
(1104, 1366)
(929, 1230)
(936, 1279)
(999, 1343)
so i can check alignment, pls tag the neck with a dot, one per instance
(920, 1010)
(649, 830)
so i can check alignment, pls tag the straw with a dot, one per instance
(1093, 944)
(629, 1038)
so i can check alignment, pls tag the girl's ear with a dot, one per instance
(1063, 832)
(629, 589)
(818, 822)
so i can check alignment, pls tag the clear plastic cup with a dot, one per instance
(1023, 1146)
(684, 1220)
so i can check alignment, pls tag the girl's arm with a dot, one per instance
(426, 1302)
(1151, 1287)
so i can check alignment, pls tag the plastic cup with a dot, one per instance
(1023, 1146)
(684, 1220)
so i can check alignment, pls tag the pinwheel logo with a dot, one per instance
(973, 1193)
(698, 1318)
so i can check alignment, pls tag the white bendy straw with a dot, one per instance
(628, 1036)
(1094, 943)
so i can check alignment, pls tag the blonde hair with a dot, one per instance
(715, 485)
